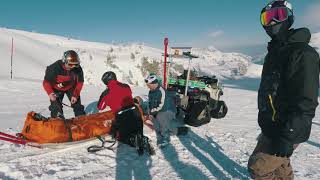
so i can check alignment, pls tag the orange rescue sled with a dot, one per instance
(55, 130)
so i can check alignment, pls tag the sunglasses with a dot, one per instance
(278, 14)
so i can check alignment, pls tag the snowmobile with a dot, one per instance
(202, 101)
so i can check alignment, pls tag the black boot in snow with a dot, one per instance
(139, 144)
(147, 146)
(182, 131)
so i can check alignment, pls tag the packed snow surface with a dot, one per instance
(218, 150)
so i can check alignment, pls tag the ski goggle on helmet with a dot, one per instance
(71, 58)
(151, 79)
(277, 11)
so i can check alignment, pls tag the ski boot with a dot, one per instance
(147, 146)
(139, 143)
(182, 131)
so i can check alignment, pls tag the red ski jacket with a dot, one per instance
(58, 78)
(117, 96)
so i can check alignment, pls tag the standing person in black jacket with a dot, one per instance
(64, 77)
(288, 93)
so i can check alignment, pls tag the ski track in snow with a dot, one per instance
(219, 150)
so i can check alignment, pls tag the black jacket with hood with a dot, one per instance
(288, 92)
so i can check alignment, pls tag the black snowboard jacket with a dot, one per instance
(288, 92)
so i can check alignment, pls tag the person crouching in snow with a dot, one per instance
(162, 108)
(128, 125)
(64, 77)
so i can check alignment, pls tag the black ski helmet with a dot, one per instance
(71, 57)
(107, 76)
(279, 27)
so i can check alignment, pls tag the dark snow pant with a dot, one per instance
(163, 126)
(56, 106)
(127, 125)
(263, 166)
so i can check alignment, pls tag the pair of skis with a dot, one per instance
(17, 140)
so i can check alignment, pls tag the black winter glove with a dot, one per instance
(281, 148)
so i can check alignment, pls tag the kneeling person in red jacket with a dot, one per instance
(128, 125)
(64, 77)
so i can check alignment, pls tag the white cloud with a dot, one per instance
(215, 34)
(312, 16)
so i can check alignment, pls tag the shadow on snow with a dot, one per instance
(193, 142)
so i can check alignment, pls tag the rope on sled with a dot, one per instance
(96, 148)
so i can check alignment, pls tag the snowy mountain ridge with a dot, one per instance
(34, 51)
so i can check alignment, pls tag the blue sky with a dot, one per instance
(225, 24)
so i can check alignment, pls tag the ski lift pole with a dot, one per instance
(188, 77)
(11, 57)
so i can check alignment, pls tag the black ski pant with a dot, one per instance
(56, 107)
(128, 123)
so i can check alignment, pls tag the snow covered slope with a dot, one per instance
(214, 62)
(219, 150)
(33, 52)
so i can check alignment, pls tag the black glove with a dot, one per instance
(281, 148)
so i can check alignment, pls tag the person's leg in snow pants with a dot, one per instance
(56, 106)
(162, 125)
(265, 166)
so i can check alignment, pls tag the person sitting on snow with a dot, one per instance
(128, 125)
(162, 108)
(64, 77)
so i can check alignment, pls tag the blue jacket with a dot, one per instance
(161, 100)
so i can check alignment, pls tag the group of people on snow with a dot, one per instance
(287, 96)
(66, 77)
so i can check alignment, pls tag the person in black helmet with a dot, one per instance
(128, 125)
(64, 76)
(287, 96)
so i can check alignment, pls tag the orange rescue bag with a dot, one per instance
(55, 131)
